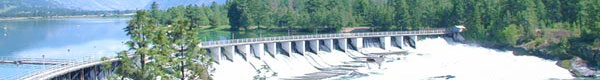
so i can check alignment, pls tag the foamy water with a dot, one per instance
(436, 57)
(433, 57)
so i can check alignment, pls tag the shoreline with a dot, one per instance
(73, 16)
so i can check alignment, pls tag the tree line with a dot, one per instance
(163, 45)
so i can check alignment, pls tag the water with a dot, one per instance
(435, 57)
(63, 38)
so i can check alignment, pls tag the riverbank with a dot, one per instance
(73, 16)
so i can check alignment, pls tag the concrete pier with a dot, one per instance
(357, 43)
(259, 50)
(245, 50)
(329, 44)
(229, 52)
(414, 38)
(216, 53)
(314, 45)
(287, 46)
(386, 42)
(342, 43)
(300, 47)
(272, 48)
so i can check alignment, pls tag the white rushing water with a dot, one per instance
(433, 57)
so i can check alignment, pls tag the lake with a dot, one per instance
(64, 38)
(59, 38)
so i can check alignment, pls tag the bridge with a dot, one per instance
(257, 47)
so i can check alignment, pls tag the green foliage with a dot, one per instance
(511, 34)
(163, 44)
(565, 64)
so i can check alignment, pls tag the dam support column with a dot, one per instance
(343, 44)
(415, 39)
(358, 43)
(314, 45)
(271, 48)
(287, 47)
(386, 42)
(300, 46)
(329, 44)
(400, 41)
(245, 49)
(216, 53)
(259, 49)
(229, 52)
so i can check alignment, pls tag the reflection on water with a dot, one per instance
(34, 36)
(13, 72)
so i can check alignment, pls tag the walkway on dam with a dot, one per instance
(71, 67)
(209, 44)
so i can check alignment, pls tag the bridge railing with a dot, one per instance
(337, 35)
(67, 65)
(33, 59)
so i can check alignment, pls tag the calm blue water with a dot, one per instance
(62, 38)
(68, 38)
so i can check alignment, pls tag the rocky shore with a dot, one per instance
(579, 68)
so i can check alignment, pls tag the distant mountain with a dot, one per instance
(127, 4)
(165, 4)
(23, 8)
(96, 5)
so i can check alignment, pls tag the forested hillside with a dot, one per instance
(554, 29)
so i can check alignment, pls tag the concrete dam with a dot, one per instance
(287, 57)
